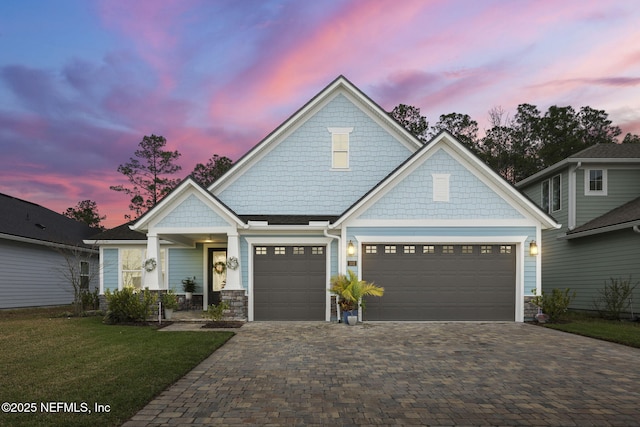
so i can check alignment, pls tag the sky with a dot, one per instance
(83, 81)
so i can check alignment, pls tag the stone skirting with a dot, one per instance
(530, 310)
(238, 304)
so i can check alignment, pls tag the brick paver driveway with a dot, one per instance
(289, 373)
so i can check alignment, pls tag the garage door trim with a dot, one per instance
(517, 240)
(252, 242)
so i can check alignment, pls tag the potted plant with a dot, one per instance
(169, 303)
(189, 286)
(350, 291)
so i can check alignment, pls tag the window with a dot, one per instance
(317, 250)
(595, 182)
(447, 249)
(261, 250)
(410, 249)
(546, 194)
(390, 249)
(486, 249)
(132, 266)
(370, 249)
(279, 250)
(131, 263)
(340, 147)
(84, 275)
(552, 194)
(467, 249)
(440, 187)
(428, 249)
(298, 250)
(505, 249)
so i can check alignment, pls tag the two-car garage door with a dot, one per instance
(421, 281)
(441, 282)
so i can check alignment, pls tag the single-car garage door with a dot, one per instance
(289, 283)
(441, 282)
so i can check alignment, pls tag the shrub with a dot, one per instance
(216, 312)
(555, 304)
(129, 305)
(90, 300)
(615, 298)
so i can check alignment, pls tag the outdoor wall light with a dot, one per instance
(533, 248)
(351, 249)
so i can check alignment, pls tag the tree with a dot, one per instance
(462, 126)
(205, 175)
(631, 138)
(409, 117)
(79, 270)
(86, 211)
(150, 178)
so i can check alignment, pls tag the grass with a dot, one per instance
(621, 332)
(47, 358)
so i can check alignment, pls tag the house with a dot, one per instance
(341, 185)
(595, 195)
(35, 246)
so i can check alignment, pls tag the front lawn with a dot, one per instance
(60, 368)
(621, 332)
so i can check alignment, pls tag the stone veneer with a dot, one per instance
(238, 304)
(530, 310)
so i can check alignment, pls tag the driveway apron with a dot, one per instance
(441, 374)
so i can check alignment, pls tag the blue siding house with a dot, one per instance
(342, 186)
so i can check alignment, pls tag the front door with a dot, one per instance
(217, 277)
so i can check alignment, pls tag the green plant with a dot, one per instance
(216, 312)
(615, 298)
(90, 300)
(129, 305)
(555, 304)
(169, 300)
(351, 290)
(189, 284)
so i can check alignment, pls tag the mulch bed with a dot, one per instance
(223, 324)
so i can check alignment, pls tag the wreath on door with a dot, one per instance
(220, 267)
(150, 265)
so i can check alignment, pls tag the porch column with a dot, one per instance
(233, 251)
(152, 279)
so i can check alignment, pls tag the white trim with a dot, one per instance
(467, 222)
(518, 240)
(340, 86)
(287, 241)
(481, 171)
(50, 244)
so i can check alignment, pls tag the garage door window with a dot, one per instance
(505, 249)
(279, 250)
(410, 249)
(428, 249)
(261, 250)
(447, 249)
(370, 249)
(486, 250)
(317, 250)
(390, 249)
(298, 250)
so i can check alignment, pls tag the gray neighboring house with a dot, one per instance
(595, 195)
(32, 265)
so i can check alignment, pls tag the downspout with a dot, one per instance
(326, 233)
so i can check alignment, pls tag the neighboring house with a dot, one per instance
(595, 195)
(35, 245)
(341, 185)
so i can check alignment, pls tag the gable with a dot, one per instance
(295, 175)
(192, 212)
(468, 196)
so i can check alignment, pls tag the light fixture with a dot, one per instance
(351, 249)
(533, 248)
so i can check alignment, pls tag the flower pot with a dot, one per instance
(188, 295)
(168, 312)
(352, 320)
(542, 318)
(346, 314)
